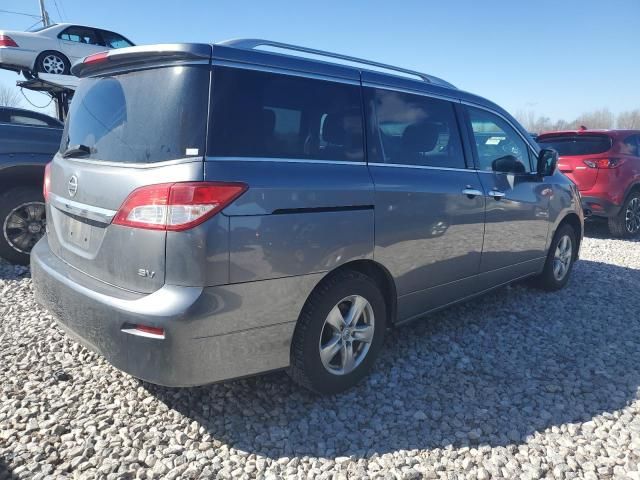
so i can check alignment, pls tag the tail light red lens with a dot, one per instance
(604, 162)
(176, 206)
(46, 184)
(96, 58)
(7, 41)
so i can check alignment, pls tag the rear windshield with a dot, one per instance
(140, 117)
(577, 144)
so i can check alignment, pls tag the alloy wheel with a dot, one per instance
(24, 226)
(632, 216)
(562, 258)
(53, 64)
(346, 335)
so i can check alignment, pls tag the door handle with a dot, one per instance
(471, 192)
(496, 194)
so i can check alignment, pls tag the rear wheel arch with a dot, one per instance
(380, 275)
(21, 176)
(573, 220)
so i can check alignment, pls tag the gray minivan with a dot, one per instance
(222, 210)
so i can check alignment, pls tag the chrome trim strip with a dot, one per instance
(132, 165)
(421, 167)
(91, 212)
(417, 91)
(281, 160)
(283, 71)
(29, 125)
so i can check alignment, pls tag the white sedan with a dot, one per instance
(55, 48)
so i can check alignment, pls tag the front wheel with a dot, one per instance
(560, 260)
(53, 62)
(23, 222)
(627, 223)
(339, 333)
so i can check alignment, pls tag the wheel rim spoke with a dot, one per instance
(355, 312)
(331, 349)
(363, 333)
(562, 258)
(335, 319)
(348, 360)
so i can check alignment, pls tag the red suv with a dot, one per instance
(605, 164)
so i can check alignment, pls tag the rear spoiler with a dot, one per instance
(144, 55)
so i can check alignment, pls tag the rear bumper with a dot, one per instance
(600, 207)
(211, 334)
(16, 58)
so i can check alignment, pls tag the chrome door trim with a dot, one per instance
(282, 71)
(420, 167)
(91, 212)
(282, 160)
(417, 91)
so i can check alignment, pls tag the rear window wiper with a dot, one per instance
(77, 151)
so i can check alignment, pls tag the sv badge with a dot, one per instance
(143, 272)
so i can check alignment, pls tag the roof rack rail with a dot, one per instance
(253, 43)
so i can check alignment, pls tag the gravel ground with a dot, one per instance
(519, 384)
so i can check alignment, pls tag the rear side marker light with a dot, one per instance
(176, 206)
(604, 162)
(7, 41)
(145, 331)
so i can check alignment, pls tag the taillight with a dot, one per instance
(7, 41)
(176, 206)
(604, 162)
(46, 184)
(96, 58)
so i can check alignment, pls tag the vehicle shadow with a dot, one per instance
(5, 471)
(9, 271)
(477, 373)
(597, 228)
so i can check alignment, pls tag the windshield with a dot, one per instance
(140, 117)
(571, 145)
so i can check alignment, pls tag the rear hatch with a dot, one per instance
(579, 154)
(137, 119)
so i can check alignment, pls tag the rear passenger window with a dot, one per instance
(260, 114)
(416, 130)
(500, 148)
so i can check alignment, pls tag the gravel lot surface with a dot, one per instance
(518, 384)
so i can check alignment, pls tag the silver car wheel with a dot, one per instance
(53, 64)
(562, 258)
(346, 335)
(24, 226)
(632, 215)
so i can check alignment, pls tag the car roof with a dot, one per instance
(31, 113)
(614, 133)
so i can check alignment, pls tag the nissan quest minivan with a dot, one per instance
(217, 211)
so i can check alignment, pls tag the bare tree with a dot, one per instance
(9, 97)
(602, 118)
(629, 119)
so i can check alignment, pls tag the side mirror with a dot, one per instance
(547, 162)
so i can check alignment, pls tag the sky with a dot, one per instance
(557, 58)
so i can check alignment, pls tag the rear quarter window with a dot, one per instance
(572, 145)
(270, 115)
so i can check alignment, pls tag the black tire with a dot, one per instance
(547, 280)
(307, 368)
(618, 226)
(41, 62)
(19, 197)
